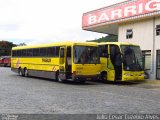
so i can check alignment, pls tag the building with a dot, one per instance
(135, 21)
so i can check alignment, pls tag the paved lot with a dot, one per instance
(35, 95)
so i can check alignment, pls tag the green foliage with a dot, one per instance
(110, 38)
(22, 44)
(5, 48)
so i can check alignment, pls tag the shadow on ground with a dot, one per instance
(140, 84)
(121, 82)
(52, 80)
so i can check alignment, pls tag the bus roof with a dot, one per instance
(117, 43)
(55, 44)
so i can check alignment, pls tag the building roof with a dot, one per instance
(107, 19)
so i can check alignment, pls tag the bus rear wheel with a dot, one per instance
(20, 72)
(59, 79)
(25, 72)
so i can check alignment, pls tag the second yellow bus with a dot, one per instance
(121, 61)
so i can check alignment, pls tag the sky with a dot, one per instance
(46, 21)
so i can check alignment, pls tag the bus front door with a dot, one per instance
(62, 64)
(116, 60)
(68, 63)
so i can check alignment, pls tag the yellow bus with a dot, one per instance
(61, 61)
(120, 61)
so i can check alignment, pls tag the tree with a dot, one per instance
(5, 48)
(22, 44)
(109, 38)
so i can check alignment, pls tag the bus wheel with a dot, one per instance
(103, 76)
(20, 72)
(56, 77)
(59, 79)
(25, 72)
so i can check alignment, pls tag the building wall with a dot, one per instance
(157, 41)
(157, 38)
(144, 34)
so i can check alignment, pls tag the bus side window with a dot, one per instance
(114, 51)
(14, 53)
(24, 53)
(29, 52)
(36, 52)
(19, 53)
(69, 55)
(62, 53)
(103, 51)
(43, 52)
(51, 51)
(57, 51)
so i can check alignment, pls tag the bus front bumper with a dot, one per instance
(85, 77)
(132, 75)
(128, 77)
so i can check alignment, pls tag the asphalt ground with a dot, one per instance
(31, 95)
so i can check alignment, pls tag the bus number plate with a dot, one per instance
(88, 78)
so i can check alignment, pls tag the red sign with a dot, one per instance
(130, 9)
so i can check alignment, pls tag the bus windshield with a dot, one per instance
(132, 58)
(86, 55)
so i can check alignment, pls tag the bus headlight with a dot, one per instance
(74, 72)
(142, 74)
(127, 74)
(98, 73)
(78, 72)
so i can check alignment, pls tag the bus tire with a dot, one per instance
(59, 79)
(56, 76)
(103, 76)
(20, 72)
(25, 72)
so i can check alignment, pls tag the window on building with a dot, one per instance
(146, 59)
(157, 30)
(129, 34)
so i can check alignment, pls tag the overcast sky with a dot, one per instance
(45, 21)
